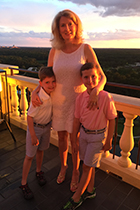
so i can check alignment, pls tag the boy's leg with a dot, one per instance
(27, 193)
(43, 135)
(26, 168)
(40, 174)
(39, 160)
(30, 153)
(91, 182)
(84, 181)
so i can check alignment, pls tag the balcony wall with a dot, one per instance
(121, 166)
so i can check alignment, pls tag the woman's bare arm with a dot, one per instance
(35, 98)
(51, 56)
(91, 57)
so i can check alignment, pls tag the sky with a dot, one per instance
(106, 23)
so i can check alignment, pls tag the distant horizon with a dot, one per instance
(51, 47)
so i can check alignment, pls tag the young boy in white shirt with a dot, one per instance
(38, 130)
(92, 125)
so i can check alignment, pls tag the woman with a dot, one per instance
(67, 55)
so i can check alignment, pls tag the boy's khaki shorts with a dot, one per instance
(43, 135)
(90, 148)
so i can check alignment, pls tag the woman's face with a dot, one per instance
(67, 28)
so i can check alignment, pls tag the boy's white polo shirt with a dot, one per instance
(43, 113)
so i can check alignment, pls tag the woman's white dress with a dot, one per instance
(66, 67)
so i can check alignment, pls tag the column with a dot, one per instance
(14, 100)
(127, 141)
(23, 103)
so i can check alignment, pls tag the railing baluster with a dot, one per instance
(127, 141)
(14, 101)
(23, 103)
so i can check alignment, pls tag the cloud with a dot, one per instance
(30, 34)
(116, 35)
(119, 34)
(113, 7)
(31, 38)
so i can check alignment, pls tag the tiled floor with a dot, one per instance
(112, 193)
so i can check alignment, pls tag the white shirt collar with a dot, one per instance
(43, 95)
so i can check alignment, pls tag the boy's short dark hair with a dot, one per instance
(44, 72)
(87, 66)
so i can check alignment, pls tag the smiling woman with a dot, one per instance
(66, 23)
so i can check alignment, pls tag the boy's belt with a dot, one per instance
(94, 131)
(41, 125)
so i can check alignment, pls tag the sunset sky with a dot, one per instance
(106, 23)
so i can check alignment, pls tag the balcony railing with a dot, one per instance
(121, 166)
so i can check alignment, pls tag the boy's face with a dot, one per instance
(48, 84)
(90, 78)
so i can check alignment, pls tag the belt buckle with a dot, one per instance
(91, 132)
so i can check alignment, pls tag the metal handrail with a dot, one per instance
(23, 70)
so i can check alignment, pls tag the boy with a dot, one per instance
(92, 126)
(38, 130)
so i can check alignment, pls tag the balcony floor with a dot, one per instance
(112, 192)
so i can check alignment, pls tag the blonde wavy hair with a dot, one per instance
(57, 41)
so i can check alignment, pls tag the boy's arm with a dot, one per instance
(35, 141)
(108, 144)
(74, 135)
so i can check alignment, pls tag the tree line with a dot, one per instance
(24, 57)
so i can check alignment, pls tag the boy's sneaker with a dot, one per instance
(71, 205)
(41, 179)
(87, 194)
(27, 193)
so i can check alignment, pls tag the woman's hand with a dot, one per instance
(93, 99)
(35, 99)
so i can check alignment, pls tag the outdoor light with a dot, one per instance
(2, 120)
